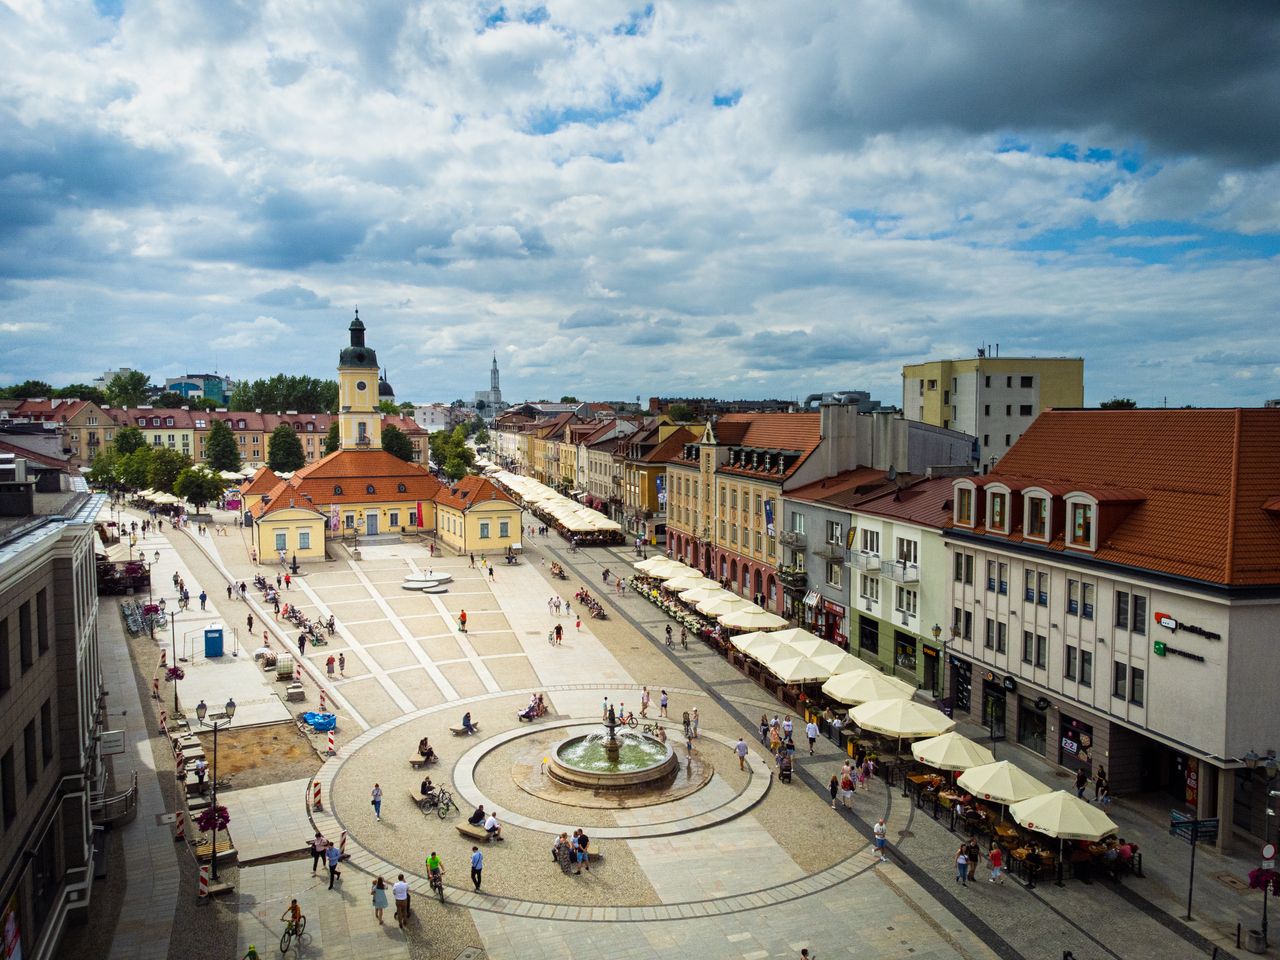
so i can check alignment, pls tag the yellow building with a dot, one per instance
(991, 398)
(258, 486)
(475, 516)
(643, 457)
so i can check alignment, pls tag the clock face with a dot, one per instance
(360, 385)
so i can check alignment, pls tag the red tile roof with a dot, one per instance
(469, 491)
(843, 490)
(261, 483)
(798, 433)
(1205, 476)
(926, 502)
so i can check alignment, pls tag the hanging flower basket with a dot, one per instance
(174, 673)
(211, 818)
(1261, 879)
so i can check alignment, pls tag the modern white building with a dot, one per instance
(1115, 585)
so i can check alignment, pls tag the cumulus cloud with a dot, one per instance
(622, 198)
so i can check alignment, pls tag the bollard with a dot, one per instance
(180, 826)
(342, 845)
(333, 752)
(164, 657)
(204, 880)
(315, 797)
(155, 688)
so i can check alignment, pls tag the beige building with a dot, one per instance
(992, 398)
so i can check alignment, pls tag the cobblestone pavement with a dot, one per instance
(781, 872)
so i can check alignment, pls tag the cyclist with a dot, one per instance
(292, 917)
(684, 638)
(435, 869)
(668, 634)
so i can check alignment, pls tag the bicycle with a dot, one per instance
(441, 801)
(292, 930)
(437, 883)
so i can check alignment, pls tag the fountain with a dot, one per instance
(611, 762)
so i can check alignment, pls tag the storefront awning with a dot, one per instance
(811, 598)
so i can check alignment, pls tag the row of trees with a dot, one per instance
(127, 390)
(283, 392)
(451, 453)
(159, 468)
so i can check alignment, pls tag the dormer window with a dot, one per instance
(1081, 524)
(242, 424)
(964, 506)
(168, 421)
(999, 512)
(155, 421)
(1037, 525)
(370, 489)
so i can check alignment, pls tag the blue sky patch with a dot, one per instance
(548, 121)
(636, 24)
(729, 99)
(113, 9)
(1156, 241)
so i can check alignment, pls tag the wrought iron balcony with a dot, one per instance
(793, 579)
(792, 538)
(832, 551)
(901, 572)
(865, 560)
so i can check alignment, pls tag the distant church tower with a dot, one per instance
(359, 424)
(495, 393)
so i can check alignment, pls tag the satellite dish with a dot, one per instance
(893, 474)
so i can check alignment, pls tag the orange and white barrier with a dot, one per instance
(180, 826)
(315, 796)
(204, 880)
(342, 845)
(321, 710)
(333, 751)
(155, 688)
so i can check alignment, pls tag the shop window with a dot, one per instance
(1069, 662)
(1137, 686)
(904, 651)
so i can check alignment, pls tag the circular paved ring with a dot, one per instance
(859, 861)
(464, 785)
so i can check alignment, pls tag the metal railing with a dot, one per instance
(121, 808)
(865, 560)
(901, 572)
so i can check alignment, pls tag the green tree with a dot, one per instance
(568, 399)
(27, 390)
(388, 407)
(129, 439)
(680, 412)
(170, 400)
(1119, 403)
(454, 468)
(81, 391)
(396, 443)
(129, 389)
(407, 408)
(198, 486)
(163, 470)
(286, 450)
(132, 468)
(283, 392)
(102, 472)
(332, 439)
(221, 448)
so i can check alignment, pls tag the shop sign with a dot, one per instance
(1042, 703)
(1076, 743)
(1171, 623)
(1161, 649)
(833, 608)
(1010, 683)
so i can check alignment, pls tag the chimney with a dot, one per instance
(839, 428)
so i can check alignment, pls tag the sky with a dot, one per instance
(620, 200)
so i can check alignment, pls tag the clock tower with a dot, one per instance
(359, 422)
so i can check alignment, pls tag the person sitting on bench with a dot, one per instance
(478, 818)
(427, 789)
(467, 728)
(529, 712)
(493, 827)
(425, 750)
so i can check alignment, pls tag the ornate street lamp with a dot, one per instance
(202, 711)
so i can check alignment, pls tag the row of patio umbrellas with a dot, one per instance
(573, 516)
(707, 596)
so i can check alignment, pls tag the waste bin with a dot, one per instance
(213, 642)
(1253, 941)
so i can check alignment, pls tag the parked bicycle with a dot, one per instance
(439, 800)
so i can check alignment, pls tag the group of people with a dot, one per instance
(571, 852)
(536, 708)
(488, 821)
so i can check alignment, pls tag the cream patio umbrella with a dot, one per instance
(644, 566)
(764, 651)
(753, 619)
(1063, 815)
(229, 475)
(670, 570)
(690, 582)
(1001, 782)
(951, 751)
(726, 604)
(744, 641)
(901, 718)
(698, 594)
(836, 660)
(865, 684)
(794, 668)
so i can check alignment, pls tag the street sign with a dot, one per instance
(1268, 851)
(111, 743)
(1191, 830)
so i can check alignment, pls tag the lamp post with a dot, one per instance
(942, 680)
(202, 711)
(173, 653)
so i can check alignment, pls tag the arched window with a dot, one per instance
(337, 490)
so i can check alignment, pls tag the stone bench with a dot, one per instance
(459, 731)
(475, 833)
(225, 851)
(418, 762)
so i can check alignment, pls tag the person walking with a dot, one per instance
(662, 704)
(973, 854)
(203, 598)
(1082, 781)
(1099, 783)
(741, 750)
(811, 733)
(400, 893)
(333, 856)
(881, 836)
(379, 892)
(201, 767)
(477, 866)
(834, 789)
(644, 703)
(330, 664)
(693, 724)
(996, 859)
(318, 846)
(342, 664)
(228, 591)
(288, 581)
(376, 800)
(462, 621)
(846, 791)
(249, 621)
(962, 865)
(279, 581)
(764, 729)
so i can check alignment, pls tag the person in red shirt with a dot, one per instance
(996, 857)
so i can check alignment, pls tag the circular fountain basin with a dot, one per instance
(584, 761)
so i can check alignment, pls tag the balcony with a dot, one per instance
(831, 551)
(792, 538)
(363, 442)
(793, 580)
(865, 560)
(901, 572)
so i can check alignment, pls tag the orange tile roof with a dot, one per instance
(671, 447)
(469, 491)
(1205, 476)
(793, 432)
(842, 490)
(926, 502)
(261, 483)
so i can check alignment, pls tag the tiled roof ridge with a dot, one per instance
(1233, 505)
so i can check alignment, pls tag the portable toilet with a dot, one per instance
(213, 640)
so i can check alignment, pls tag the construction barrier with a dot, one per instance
(333, 751)
(342, 845)
(315, 797)
(321, 710)
(164, 721)
(180, 826)
(164, 657)
(155, 688)
(204, 880)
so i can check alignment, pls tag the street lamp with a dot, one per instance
(173, 653)
(202, 711)
(942, 684)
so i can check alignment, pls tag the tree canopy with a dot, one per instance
(81, 391)
(332, 439)
(1119, 403)
(102, 472)
(451, 453)
(680, 412)
(286, 450)
(568, 399)
(397, 443)
(132, 469)
(221, 448)
(389, 407)
(164, 467)
(284, 392)
(129, 389)
(199, 486)
(27, 390)
(129, 439)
